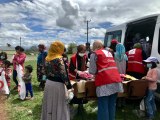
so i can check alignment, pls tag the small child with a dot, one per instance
(152, 78)
(8, 71)
(27, 79)
(3, 56)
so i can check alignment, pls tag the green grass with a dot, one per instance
(19, 110)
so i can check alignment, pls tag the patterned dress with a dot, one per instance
(54, 105)
(40, 65)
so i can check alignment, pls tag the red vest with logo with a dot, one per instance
(135, 61)
(72, 74)
(107, 71)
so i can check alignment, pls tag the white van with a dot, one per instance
(145, 30)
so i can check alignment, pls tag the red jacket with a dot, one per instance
(72, 74)
(18, 58)
(135, 61)
(107, 70)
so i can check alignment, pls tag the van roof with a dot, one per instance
(124, 24)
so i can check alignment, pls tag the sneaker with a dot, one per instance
(27, 98)
(32, 98)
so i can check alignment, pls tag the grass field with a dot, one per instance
(30, 110)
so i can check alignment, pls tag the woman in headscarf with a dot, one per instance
(112, 47)
(121, 61)
(40, 65)
(54, 105)
(135, 65)
(121, 58)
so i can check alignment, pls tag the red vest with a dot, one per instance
(135, 61)
(107, 71)
(72, 75)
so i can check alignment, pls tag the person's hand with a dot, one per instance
(143, 78)
(79, 73)
(71, 90)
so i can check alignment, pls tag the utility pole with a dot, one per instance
(87, 43)
(20, 41)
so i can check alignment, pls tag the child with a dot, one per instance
(8, 71)
(152, 77)
(27, 79)
(3, 56)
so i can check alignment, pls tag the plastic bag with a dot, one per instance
(142, 105)
(4, 85)
(21, 83)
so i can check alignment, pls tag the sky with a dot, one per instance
(43, 21)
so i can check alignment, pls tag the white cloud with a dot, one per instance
(23, 18)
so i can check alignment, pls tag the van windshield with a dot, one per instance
(141, 31)
(112, 35)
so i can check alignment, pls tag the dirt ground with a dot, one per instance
(3, 113)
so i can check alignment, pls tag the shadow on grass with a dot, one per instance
(36, 88)
(37, 112)
(17, 101)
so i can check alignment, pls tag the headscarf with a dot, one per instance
(120, 52)
(137, 45)
(114, 42)
(55, 51)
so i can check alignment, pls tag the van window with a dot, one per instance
(159, 42)
(112, 35)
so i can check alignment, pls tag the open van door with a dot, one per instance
(141, 31)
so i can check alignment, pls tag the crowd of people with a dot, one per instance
(105, 65)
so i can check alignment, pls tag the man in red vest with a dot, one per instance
(135, 66)
(107, 81)
(78, 63)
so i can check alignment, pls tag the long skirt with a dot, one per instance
(54, 106)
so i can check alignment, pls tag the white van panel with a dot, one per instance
(154, 51)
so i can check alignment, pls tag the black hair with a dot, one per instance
(6, 62)
(81, 48)
(3, 54)
(19, 48)
(65, 49)
(41, 46)
(29, 68)
(154, 65)
(113, 46)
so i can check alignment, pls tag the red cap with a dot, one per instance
(114, 41)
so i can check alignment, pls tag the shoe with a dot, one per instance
(32, 98)
(139, 113)
(27, 98)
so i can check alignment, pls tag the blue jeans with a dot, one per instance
(29, 88)
(107, 107)
(150, 104)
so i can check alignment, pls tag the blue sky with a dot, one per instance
(43, 21)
